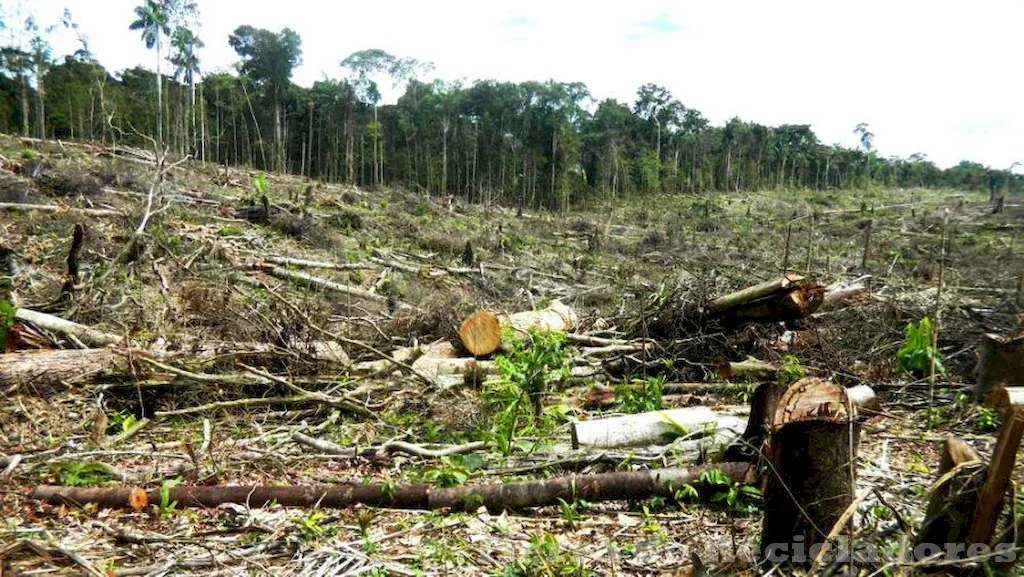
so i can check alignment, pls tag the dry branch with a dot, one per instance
(322, 283)
(633, 485)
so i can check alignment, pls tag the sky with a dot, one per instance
(937, 77)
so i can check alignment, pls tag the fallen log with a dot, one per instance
(299, 262)
(87, 335)
(483, 332)
(836, 295)
(47, 370)
(754, 293)
(811, 478)
(631, 485)
(643, 428)
(787, 298)
(15, 206)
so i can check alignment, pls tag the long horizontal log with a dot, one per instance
(641, 428)
(87, 335)
(631, 485)
(299, 262)
(45, 370)
(17, 206)
(756, 292)
(484, 333)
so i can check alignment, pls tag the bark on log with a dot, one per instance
(632, 485)
(953, 497)
(642, 428)
(483, 332)
(750, 369)
(1004, 398)
(763, 404)
(811, 482)
(87, 335)
(1000, 363)
(48, 370)
(756, 292)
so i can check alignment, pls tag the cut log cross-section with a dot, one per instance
(484, 333)
(480, 333)
(810, 482)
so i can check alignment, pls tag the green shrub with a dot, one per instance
(917, 353)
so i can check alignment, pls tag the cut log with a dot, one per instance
(810, 484)
(48, 370)
(480, 333)
(642, 428)
(953, 497)
(787, 298)
(754, 293)
(1000, 363)
(484, 333)
(87, 335)
(631, 485)
(1004, 398)
(751, 369)
(837, 295)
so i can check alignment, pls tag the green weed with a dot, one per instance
(917, 354)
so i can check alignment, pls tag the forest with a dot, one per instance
(533, 144)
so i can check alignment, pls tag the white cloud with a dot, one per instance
(939, 77)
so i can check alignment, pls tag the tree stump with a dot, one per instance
(810, 484)
(1000, 363)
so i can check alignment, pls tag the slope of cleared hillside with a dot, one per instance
(220, 290)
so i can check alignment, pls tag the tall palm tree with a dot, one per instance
(186, 65)
(152, 19)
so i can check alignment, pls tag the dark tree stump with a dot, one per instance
(810, 483)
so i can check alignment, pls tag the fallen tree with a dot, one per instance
(495, 497)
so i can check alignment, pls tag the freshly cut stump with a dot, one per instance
(480, 333)
(813, 445)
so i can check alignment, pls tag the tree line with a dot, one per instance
(531, 144)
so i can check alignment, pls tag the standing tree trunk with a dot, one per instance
(159, 96)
